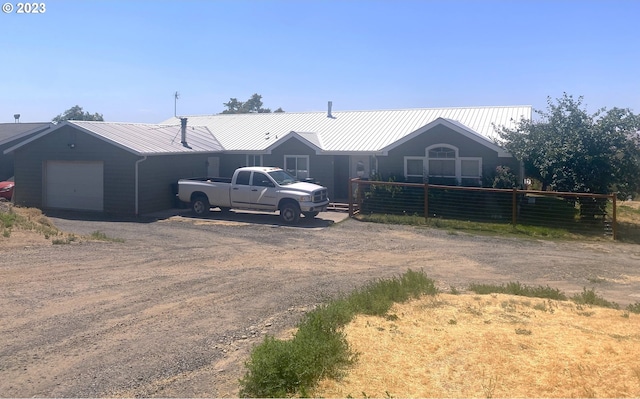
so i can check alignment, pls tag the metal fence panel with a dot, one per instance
(576, 212)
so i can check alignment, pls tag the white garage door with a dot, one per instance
(74, 185)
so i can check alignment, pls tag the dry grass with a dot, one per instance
(492, 346)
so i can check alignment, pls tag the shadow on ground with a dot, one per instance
(324, 219)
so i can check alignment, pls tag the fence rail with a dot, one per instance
(577, 212)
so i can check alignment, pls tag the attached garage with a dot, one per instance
(113, 168)
(74, 185)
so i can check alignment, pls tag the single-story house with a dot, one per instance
(118, 168)
(130, 168)
(441, 145)
(12, 134)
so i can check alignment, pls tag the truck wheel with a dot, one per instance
(290, 213)
(310, 215)
(200, 205)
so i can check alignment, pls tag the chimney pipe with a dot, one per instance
(183, 130)
(17, 117)
(329, 106)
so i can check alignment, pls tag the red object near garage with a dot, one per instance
(6, 188)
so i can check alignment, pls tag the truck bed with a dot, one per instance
(211, 179)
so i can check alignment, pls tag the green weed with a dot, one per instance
(319, 348)
(100, 236)
(589, 297)
(634, 308)
(518, 289)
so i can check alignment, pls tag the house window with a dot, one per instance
(471, 171)
(470, 168)
(442, 162)
(443, 166)
(414, 168)
(254, 160)
(297, 166)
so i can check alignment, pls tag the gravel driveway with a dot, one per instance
(174, 310)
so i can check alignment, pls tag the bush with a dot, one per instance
(504, 178)
(589, 297)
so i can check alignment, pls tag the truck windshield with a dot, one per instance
(282, 178)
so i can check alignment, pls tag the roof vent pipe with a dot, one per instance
(329, 106)
(183, 130)
(17, 117)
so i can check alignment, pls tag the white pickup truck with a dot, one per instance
(255, 188)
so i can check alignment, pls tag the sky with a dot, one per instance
(127, 59)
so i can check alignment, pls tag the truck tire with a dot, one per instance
(310, 215)
(290, 212)
(200, 205)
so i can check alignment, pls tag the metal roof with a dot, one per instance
(144, 139)
(14, 131)
(348, 131)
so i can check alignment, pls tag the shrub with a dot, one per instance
(589, 297)
(634, 308)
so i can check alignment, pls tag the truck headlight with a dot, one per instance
(305, 198)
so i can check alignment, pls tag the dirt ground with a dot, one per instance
(174, 309)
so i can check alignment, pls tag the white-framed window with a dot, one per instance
(471, 167)
(414, 167)
(254, 160)
(297, 166)
(441, 161)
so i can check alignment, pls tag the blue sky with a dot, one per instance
(125, 59)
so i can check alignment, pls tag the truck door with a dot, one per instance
(241, 190)
(263, 192)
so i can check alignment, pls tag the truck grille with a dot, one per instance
(320, 195)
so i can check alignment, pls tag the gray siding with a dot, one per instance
(393, 164)
(30, 163)
(230, 162)
(159, 174)
(156, 173)
(320, 166)
(7, 160)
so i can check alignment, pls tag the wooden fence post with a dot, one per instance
(614, 223)
(350, 198)
(514, 209)
(426, 202)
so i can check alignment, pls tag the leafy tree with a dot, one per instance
(252, 105)
(77, 114)
(570, 150)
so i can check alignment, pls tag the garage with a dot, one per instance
(74, 185)
(108, 167)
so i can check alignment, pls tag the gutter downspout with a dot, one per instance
(144, 158)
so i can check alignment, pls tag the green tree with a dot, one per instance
(570, 150)
(76, 113)
(252, 105)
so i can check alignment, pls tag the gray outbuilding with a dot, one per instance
(12, 134)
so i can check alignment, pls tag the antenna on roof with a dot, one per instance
(176, 96)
